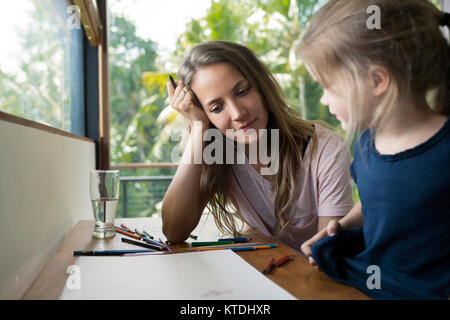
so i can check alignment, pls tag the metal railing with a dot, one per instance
(140, 196)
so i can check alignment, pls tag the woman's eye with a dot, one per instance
(243, 92)
(216, 109)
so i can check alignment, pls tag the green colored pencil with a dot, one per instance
(211, 243)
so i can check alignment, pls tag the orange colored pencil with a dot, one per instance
(135, 236)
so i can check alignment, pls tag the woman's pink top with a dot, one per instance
(326, 190)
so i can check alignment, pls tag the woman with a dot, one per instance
(224, 86)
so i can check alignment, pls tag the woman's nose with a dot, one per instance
(237, 112)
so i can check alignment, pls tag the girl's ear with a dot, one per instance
(380, 79)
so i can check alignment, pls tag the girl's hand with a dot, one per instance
(332, 228)
(183, 101)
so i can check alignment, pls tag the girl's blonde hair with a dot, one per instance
(293, 132)
(338, 47)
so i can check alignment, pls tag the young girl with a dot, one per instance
(383, 80)
(223, 86)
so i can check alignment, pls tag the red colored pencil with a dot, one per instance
(282, 261)
(126, 228)
(269, 266)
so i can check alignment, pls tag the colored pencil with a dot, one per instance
(154, 242)
(135, 236)
(238, 245)
(165, 245)
(239, 248)
(210, 243)
(233, 245)
(126, 228)
(252, 248)
(174, 84)
(269, 266)
(236, 240)
(136, 231)
(168, 246)
(108, 252)
(121, 228)
(147, 235)
(282, 261)
(141, 244)
(247, 248)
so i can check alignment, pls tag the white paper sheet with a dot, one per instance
(204, 275)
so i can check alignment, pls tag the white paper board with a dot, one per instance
(204, 275)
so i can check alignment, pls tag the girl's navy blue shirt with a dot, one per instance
(406, 232)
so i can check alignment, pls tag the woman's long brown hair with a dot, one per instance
(293, 133)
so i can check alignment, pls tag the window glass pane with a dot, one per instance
(142, 52)
(35, 62)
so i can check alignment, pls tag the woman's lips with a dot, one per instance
(247, 126)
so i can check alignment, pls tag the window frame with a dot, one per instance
(95, 113)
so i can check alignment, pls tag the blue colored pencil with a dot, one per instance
(156, 243)
(234, 239)
(246, 248)
(107, 252)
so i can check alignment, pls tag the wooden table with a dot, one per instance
(296, 276)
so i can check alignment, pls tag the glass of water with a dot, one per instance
(104, 189)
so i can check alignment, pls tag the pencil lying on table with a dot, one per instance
(126, 233)
(240, 248)
(108, 252)
(142, 244)
(276, 263)
(219, 242)
(281, 261)
(229, 245)
(154, 242)
(251, 248)
(126, 228)
(233, 248)
(235, 240)
(269, 266)
(210, 243)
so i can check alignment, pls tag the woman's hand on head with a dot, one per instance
(183, 100)
(332, 228)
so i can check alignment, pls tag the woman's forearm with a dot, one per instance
(182, 205)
